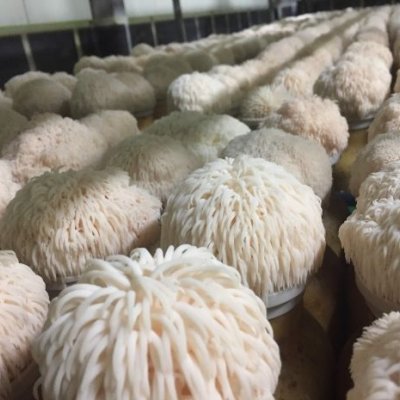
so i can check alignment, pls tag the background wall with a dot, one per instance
(51, 35)
(222, 5)
(163, 7)
(147, 8)
(20, 12)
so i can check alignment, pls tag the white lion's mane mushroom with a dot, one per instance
(223, 54)
(155, 163)
(373, 35)
(245, 48)
(375, 226)
(204, 135)
(89, 62)
(200, 60)
(238, 51)
(121, 64)
(142, 49)
(11, 125)
(387, 119)
(359, 87)
(298, 79)
(313, 118)
(262, 101)
(369, 50)
(23, 311)
(114, 125)
(161, 70)
(375, 363)
(396, 88)
(374, 157)
(381, 185)
(13, 84)
(59, 220)
(5, 102)
(160, 77)
(254, 216)
(97, 90)
(233, 88)
(175, 62)
(54, 143)
(303, 158)
(67, 80)
(177, 325)
(8, 185)
(234, 71)
(255, 71)
(144, 98)
(175, 124)
(42, 95)
(198, 92)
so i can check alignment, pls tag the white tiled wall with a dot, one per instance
(144, 8)
(202, 6)
(221, 5)
(19, 12)
(248, 4)
(12, 12)
(43, 11)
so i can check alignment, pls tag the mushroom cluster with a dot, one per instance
(375, 362)
(175, 325)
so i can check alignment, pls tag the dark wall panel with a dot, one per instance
(322, 5)
(111, 40)
(141, 33)
(233, 22)
(205, 26)
(167, 32)
(264, 16)
(12, 58)
(255, 18)
(53, 51)
(89, 44)
(220, 24)
(103, 41)
(190, 28)
(244, 19)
